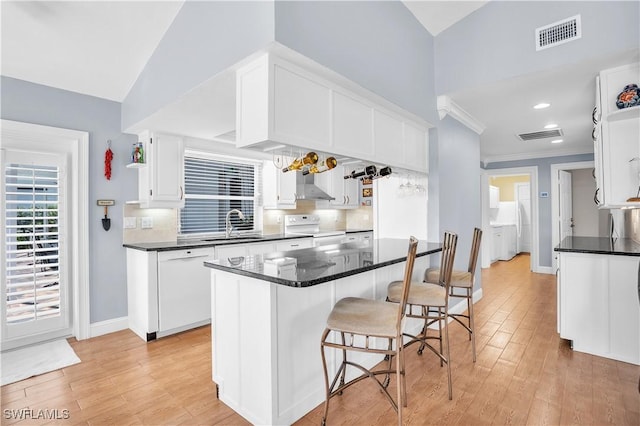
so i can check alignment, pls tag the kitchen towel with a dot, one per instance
(31, 361)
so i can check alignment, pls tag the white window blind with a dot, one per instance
(212, 188)
(32, 199)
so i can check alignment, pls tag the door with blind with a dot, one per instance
(35, 291)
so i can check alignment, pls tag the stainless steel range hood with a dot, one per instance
(307, 190)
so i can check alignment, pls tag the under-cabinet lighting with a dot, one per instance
(332, 251)
(556, 141)
(541, 105)
(551, 126)
(344, 163)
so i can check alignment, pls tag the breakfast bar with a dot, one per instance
(269, 311)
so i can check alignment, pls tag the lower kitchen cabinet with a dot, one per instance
(167, 291)
(598, 304)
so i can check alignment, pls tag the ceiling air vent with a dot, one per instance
(543, 134)
(558, 33)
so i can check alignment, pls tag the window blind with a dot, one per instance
(212, 188)
(32, 219)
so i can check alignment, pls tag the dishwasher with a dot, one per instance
(184, 289)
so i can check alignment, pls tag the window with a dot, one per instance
(32, 237)
(213, 186)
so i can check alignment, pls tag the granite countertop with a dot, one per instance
(212, 242)
(600, 245)
(312, 266)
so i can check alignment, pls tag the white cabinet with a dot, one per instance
(503, 242)
(358, 237)
(279, 188)
(494, 197)
(184, 289)
(279, 102)
(352, 126)
(620, 133)
(161, 180)
(598, 304)
(167, 291)
(345, 191)
(496, 242)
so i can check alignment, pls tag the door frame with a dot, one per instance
(532, 171)
(27, 136)
(555, 201)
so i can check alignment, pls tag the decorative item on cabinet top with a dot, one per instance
(629, 97)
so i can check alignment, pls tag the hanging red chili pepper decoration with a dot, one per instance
(108, 156)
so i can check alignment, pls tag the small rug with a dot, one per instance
(31, 361)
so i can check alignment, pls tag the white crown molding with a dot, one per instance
(531, 155)
(447, 107)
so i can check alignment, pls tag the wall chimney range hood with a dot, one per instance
(307, 190)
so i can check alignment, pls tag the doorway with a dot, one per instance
(573, 209)
(44, 251)
(514, 216)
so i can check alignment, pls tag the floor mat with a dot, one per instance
(31, 361)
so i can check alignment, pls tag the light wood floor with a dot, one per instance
(524, 375)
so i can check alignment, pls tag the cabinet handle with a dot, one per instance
(294, 245)
(595, 197)
(181, 192)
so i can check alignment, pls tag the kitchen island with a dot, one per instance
(598, 296)
(269, 312)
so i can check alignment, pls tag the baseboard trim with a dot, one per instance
(545, 270)
(108, 326)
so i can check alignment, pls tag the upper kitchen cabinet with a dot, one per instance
(279, 189)
(618, 158)
(280, 103)
(345, 191)
(161, 181)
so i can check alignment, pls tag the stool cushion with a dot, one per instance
(425, 294)
(364, 316)
(458, 278)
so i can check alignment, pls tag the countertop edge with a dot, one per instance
(599, 245)
(310, 283)
(170, 246)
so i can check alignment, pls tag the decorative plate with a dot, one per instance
(629, 97)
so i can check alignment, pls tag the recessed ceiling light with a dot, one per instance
(541, 105)
(551, 126)
(556, 141)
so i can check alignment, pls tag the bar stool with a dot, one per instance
(364, 318)
(465, 281)
(431, 301)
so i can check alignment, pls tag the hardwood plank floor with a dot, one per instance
(524, 374)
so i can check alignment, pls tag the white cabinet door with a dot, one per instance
(161, 182)
(496, 243)
(184, 289)
(279, 189)
(301, 107)
(345, 191)
(416, 147)
(231, 250)
(388, 137)
(494, 197)
(352, 126)
(260, 248)
(624, 311)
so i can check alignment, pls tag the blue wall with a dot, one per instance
(204, 39)
(459, 184)
(497, 41)
(545, 248)
(33, 103)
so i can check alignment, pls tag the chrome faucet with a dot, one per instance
(228, 225)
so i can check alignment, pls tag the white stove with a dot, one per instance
(309, 225)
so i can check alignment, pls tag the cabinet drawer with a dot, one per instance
(296, 244)
(185, 253)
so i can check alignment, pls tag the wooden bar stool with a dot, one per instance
(355, 319)
(431, 301)
(463, 280)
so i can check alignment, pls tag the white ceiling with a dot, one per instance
(99, 48)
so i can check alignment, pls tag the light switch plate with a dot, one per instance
(146, 222)
(129, 223)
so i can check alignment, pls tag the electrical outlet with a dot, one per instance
(146, 222)
(129, 223)
(279, 219)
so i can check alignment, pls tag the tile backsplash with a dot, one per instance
(163, 222)
(164, 226)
